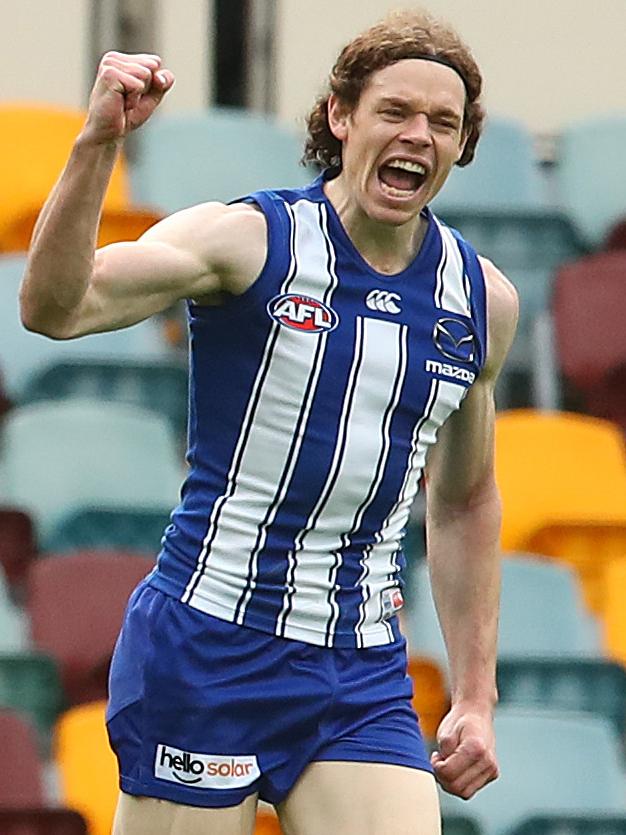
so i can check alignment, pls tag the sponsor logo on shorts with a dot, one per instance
(302, 313)
(204, 771)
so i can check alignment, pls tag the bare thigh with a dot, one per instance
(361, 799)
(151, 816)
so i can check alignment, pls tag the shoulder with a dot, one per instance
(502, 315)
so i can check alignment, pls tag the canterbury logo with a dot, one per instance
(383, 301)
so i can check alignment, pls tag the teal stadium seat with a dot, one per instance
(542, 614)
(591, 175)
(581, 684)
(158, 385)
(459, 825)
(30, 684)
(572, 825)
(23, 353)
(219, 154)
(61, 455)
(124, 529)
(503, 176)
(550, 764)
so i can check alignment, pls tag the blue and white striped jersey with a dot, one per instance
(314, 398)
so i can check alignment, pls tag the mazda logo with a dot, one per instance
(454, 339)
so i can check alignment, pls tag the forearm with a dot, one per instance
(464, 560)
(61, 254)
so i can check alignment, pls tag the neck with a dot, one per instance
(388, 249)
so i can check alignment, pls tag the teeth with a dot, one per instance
(405, 165)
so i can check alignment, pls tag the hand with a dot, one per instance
(126, 92)
(466, 759)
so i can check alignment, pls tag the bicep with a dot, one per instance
(133, 280)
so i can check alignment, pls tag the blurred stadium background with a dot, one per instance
(92, 434)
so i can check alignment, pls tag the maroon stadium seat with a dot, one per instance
(21, 771)
(76, 603)
(17, 547)
(41, 822)
(588, 308)
(616, 239)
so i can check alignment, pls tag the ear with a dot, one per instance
(338, 117)
(465, 134)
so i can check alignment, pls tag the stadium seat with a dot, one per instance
(563, 483)
(157, 385)
(76, 604)
(17, 548)
(616, 239)
(459, 825)
(14, 634)
(23, 353)
(503, 175)
(549, 762)
(87, 766)
(614, 611)
(63, 455)
(267, 823)
(183, 160)
(29, 167)
(21, 776)
(430, 694)
(541, 614)
(42, 822)
(592, 685)
(30, 685)
(564, 824)
(592, 176)
(588, 310)
(124, 529)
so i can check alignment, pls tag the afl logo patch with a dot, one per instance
(302, 313)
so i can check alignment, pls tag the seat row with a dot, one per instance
(560, 772)
(221, 154)
(549, 652)
(562, 477)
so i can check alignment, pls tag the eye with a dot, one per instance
(393, 113)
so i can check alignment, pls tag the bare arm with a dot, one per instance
(70, 288)
(463, 526)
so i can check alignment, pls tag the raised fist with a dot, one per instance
(126, 92)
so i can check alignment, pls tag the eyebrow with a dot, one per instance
(397, 101)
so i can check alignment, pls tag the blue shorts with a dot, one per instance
(205, 712)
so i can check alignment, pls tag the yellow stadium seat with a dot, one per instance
(430, 695)
(614, 614)
(35, 142)
(266, 822)
(87, 766)
(563, 483)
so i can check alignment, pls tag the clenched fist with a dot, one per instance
(126, 92)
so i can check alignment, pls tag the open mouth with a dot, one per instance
(402, 178)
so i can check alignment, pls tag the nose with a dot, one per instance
(417, 131)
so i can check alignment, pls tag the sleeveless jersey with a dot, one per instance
(314, 398)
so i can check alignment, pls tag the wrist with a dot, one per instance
(475, 702)
(89, 140)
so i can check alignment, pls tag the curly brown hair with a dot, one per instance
(402, 34)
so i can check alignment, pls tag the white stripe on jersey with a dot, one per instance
(379, 559)
(360, 455)
(452, 286)
(265, 457)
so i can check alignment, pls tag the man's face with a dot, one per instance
(402, 139)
